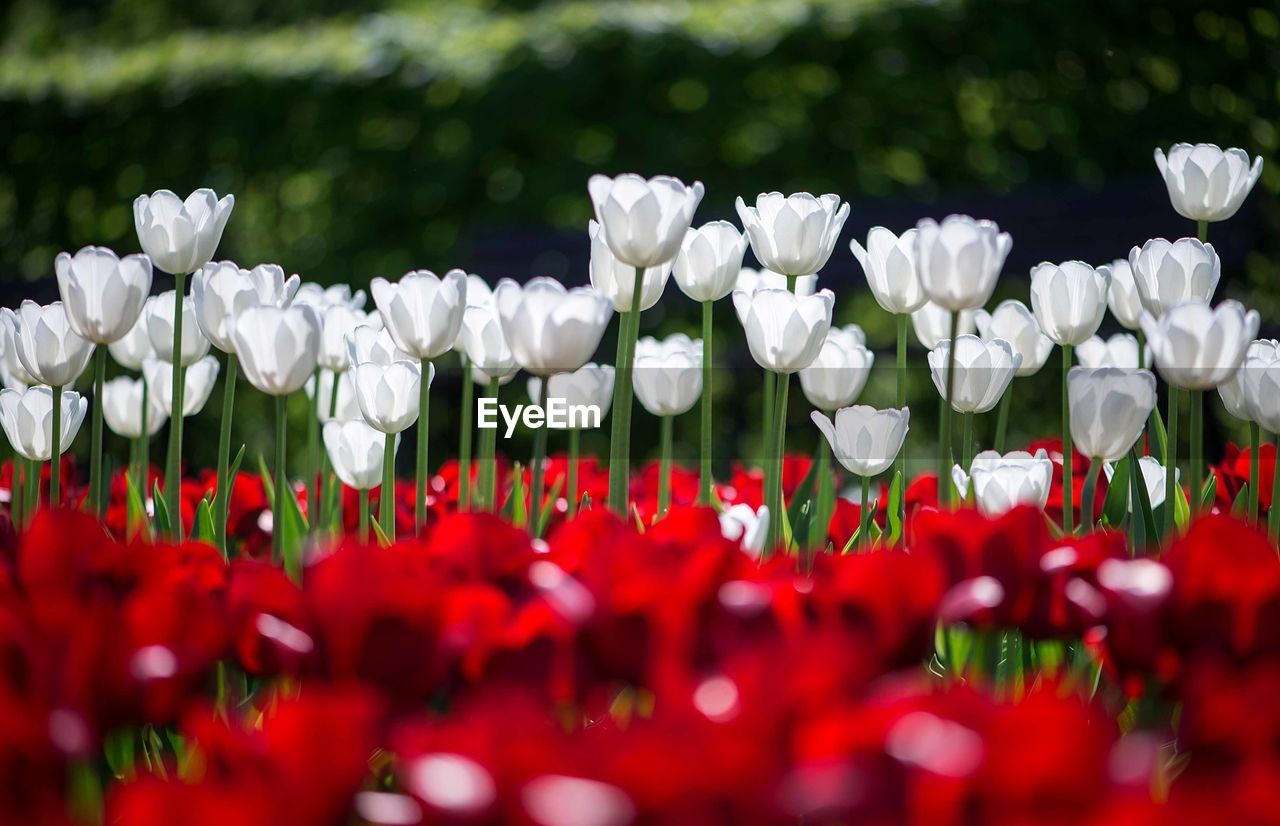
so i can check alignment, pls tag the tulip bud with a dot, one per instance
(222, 291)
(1123, 298)
(388, 393)
(27, 418)
(485, 346)
(548, 328)
(863, 439)
(356, 452)
(785, 332)
(889, 262)
(49, 349)
(617, 281)
(1198, 348)
(793, 234)
(983, 372)
(159, 314)
(667, 374)
(1207, 183)
(836, 377)
(1014, 323)
(122, 408)
(1069, 300)
(932, 324)
(198, 381)
(103, 294)
(644, 221)
(959, 260)
(181, 237)
(1167, 273)
(277, 347)
(1001, 483)
(1120, 350)
(1109, 409)
(591, 385)
(709, 261)
(422, 311)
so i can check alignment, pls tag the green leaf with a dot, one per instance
(1055, 528)
(513, 510)
(896, 494)
(135, 511)
(545, 515)
(268, 484)
(1116, 503)
(1160, 436)
(585, 504)
(1209, 491)
(161, 510)
(803, 494)
(804, 524)
(1181, 507)
(1241, 501)
(383, 541)
(203, 530)
(853, 540)
(295, 533)
(1142, 506)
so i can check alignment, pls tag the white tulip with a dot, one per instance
(785, 332)
(159, 314)
(12, 373)
(793, 234)
(221, 291)
(1197, 347)
(983, 372)
(1001, 483)
(548, 328)
(747, 527)
(644, 221)
(1152, 477)
(590, 385)
(135, 347)
(1259, 380)
(485, 346)
(366, 343)
(346, 408)
(1207, 183)
(836, 377)
(1120, 350)
(1123, 298)
(422, 311)
(959, 260)
(479, 293)
(277, 347)
(932, 324)
(863, 439)
(709, 261)
(322, 298)
(617, 280)
(122, 408)
(27, 418)
(1069, 300)
(667, 374)
(49, 349)
(388, 393)
(181, 236)
(103, 293)
(1013, 322)
(356, 452)
(889, 262)
(1109, 409)
(198, 381)
(1167, 273)
(336, 325)
(750, 280)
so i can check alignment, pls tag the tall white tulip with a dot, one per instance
(221, 291)
(644, 220)
(668, 374)
(181, 236)
(617, 280)
(484, 344)
(49, 348)
(591, 385)
(277, 347)
(337, 323)
(709, 261)
(1166, 273)
(322, 298)
(1197, 347)
(983, 370)
(959, 260)
(836, 377)
(932, 324)
(28, 418)
(1152, 480)
(160, 327)
(785, 332)
(1123, 298)
(122, 405)
(198, 381)
(422, 311)
(1013, 322)
(1000, 483)
(135, 347)
(1259, 380)
(751, 279)
(889, 262)
(344, 407)
(865, 441)
(1207, 183)
(388, 394)
(370, 343)
(12, 372)
(1109, 409)
(356, 452)
(551, 329)
(103, 293)
(1119, 350)
(1069, 300)
(793, 234)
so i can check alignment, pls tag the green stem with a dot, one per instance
(1137, 522)
(820, 527)
(865, 512)
(620, 446)
(1002, 418)
(95, 449)
(328, 486)
(144, 449)
(1202, 230)
(31, 480)
(778, 504)
(223, 497)
(489, 458)
(704, 476)
(424, 418)
(902, 319)
(364, 515)
(55, 471)
(464, 449)
(173, 472)
(664, 466)
(278, 507)
(314, 493)
(1255, 446)
(1197, 446)
(1090, 487)
(387, 496)
(537, 466)
(1068, 456)
(944, 435)
(766, 439)
(17, 483)
(1273, 511)
(574, 438)
(1171, 462)
(967, 428)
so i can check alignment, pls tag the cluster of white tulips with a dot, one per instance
(368, 373)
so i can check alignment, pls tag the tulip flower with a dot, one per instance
(645, 221)
(668, 381)
(836, 377)
(589, 386)
(1014, 323)
(932, 324)
(277, 347)
(134, 414)
(1123, 298)
(1108, 411)
(198, 381)
(54, 354)
(999, 483)
(709, 261)
(794, 234)
(1119, 350)
(389, 395)
(785, 333)
(12, 373)
(980, 372)
(322, 298)
(617, 281)
(1207, 183)
(1152, 479)
(750, 280)
(345, 407)
(1166, 274)
(747, 527)
(357, 453)
(135, 347)
(1196, 348)
(160, 327)
(38, 429)
(1253, 393)
(865, 441)
(489, 361)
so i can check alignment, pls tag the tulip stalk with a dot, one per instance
(1068, 458)
(95, 449)
(537, 464)
(1090, 489)
(704, 476)
(464, 449)
(620, 444)
(313, 448)
(1196, 435)
(144, 443)
(902, 319)
(173, 467)
(326, 475)
(944, 435)
(278, 508)
(55, 459)
(574, 440)
(31, 481)
(387, 496)
(364, 515)
(224, 452)
(865, 515)
(1255, 447)
(1002, 419)
(489, 460)
(664, 466)
(766, 440)
(966, 457)
(424, 418)
(17, 482)
(1171, 462)
(1273, 513)
(1137, 525)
